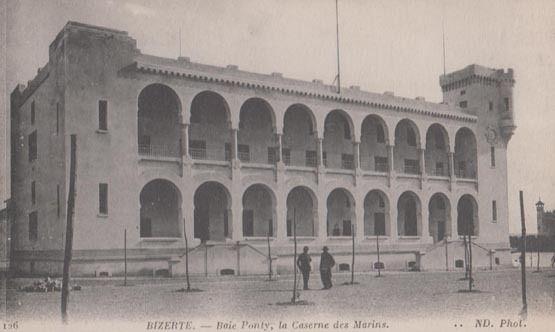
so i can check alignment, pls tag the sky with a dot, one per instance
(386, 45)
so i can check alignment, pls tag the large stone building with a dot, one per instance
(546, 220)
(168, 148)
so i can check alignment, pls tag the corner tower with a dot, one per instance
(488, 94)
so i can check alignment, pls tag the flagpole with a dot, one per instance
(337, 41)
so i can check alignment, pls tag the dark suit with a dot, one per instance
(303, 262)
(326, 263)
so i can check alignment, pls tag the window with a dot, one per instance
(33, 112)
(380, 134)
(286, 155)
(347, 161)
(462, 169)
(490, 107)
(346, 130)
(248, 222)
(440, 204)
(311, 158)
(411, 166)
(440, 171)
(58, 205)
(244, 153)
(411, 137)
(102, 115)
(103, 198)
(272, 155)
(494, 211)
(347, 228)
(195, 117)
(33, 193)
(380, 164)
(507, 104)
(57, 118)
(146, 227)
(33, 226)
(197, 149)
(325, 158)
(492, 156)
(227, 151)
(463, 104)
(463, 92)
(379, 223)
(381, 202)
(32, 140)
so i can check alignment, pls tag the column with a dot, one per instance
(279, 148)
(234, 155)
(185, 140)
(319, 162)
(422, 166)
(356, 155)
(391, 165)
(322, 219)
(393, 233)
(236, 215)
(425, 229)
(281, 217)
(359, 224)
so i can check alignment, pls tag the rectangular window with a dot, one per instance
(272, 155)
(325, 158)
(347, 161)
(197, 149)
(286, 155)
(463, 92)
(463, 104)
(103, 198)
(227, 152)
(440, 171)
(57, 118)
(507, 104)
(462, 169)
(311, 158)
(32, 140)
(58, 205)
(33, 193)
(411, 166)
(492, 156)
(494, 211)
(102, 115)
(33, 112)
(380, 164)
(248, 222)
(33, 226)
(490, 107)
(244, 153)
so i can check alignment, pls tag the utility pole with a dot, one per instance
(353, 260)
(125, 257)
(294, 298)
(269, 257)
(446, 255)
(186, 257)
(69, 226)
(378, 252)
(337, 35)
(523, 256)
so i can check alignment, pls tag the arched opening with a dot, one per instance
(299, 137)
(439, 218)
(373, 144)
(465, 154)
(376, 214)
(209, 131)
(437, 151)
(212, 212)
(341, 213)
(259, 212)
(467, 216)
(302, 210)
(407, 143)
(409, 215)
(256, 139)
(338, 140)
(158, 122)
(160, 212)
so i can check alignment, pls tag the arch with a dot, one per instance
(340, 212)
(437, 150)
(212, 214)
(158, 112)
(467, 216)
(337, 145)
(409, 214)
(160, 210)
(439, 217)
(407, 144)
(210, 121)
(259, 211)
(374, 139)
(299, 139)
(256, 132)
(302, 211)
(376, 213)
(465, 157)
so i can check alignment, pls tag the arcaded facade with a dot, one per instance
(233, 160)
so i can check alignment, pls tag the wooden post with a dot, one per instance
(378, 252)
(269, 258)
(353, 258)
(446, 254)
(125, 257)
(186, 258)
(69, 226)
(538, 246)
(238, 259)
(470, 281)
(523, 255)
(295, 255)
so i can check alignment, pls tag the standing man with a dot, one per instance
(303, 262)
(326, 263)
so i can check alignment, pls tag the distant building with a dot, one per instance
(168, 148)
(546, 220)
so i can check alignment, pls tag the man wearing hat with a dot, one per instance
(326, 263)
(303, 262)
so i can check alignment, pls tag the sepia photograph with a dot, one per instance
(277, 165)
